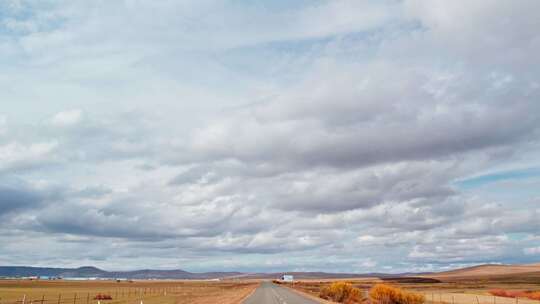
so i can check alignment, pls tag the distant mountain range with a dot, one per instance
(530, 270)
(93, 272)
(321, 275)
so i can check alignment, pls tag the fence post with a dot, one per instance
(75, 299)
(59, 298)
(87, 298)
(42, 299)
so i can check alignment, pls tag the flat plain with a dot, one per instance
(464, 286)
(124, 292)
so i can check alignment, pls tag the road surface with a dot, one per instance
(269, 293)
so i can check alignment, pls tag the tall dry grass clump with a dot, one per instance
(386, 294)
(341, 292)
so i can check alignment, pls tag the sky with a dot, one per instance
(206, 135)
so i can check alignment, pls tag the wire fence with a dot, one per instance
(469, 298)
(136, 295)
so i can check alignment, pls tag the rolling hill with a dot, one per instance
(93, 272)
(490, 272)
(490, 269)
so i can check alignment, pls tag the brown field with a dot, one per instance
(149, 292)
(473, 289)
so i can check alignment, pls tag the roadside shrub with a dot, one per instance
(100, 296)
(500, 293)
(386, 294)
(341, 292)
(533, 295)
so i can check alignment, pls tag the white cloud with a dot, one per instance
(3, 125)
(268, 136)
(532, 251)
(15, 156)
(67, 118)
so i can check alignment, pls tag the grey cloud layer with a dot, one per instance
(352, 160)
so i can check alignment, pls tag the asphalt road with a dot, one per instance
(269, 293)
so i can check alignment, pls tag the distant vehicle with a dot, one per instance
(287, 278)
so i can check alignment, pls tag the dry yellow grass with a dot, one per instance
(386, 294)
(341, 292)
(472, 298)
(474, 290)
(150, 292)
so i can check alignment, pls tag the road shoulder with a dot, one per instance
(247, 295)
(307, 295)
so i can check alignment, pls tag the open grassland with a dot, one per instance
(149, 292)
(469, 290)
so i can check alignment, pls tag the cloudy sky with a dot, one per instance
(259, 135)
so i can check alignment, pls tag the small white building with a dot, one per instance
(287, 278)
